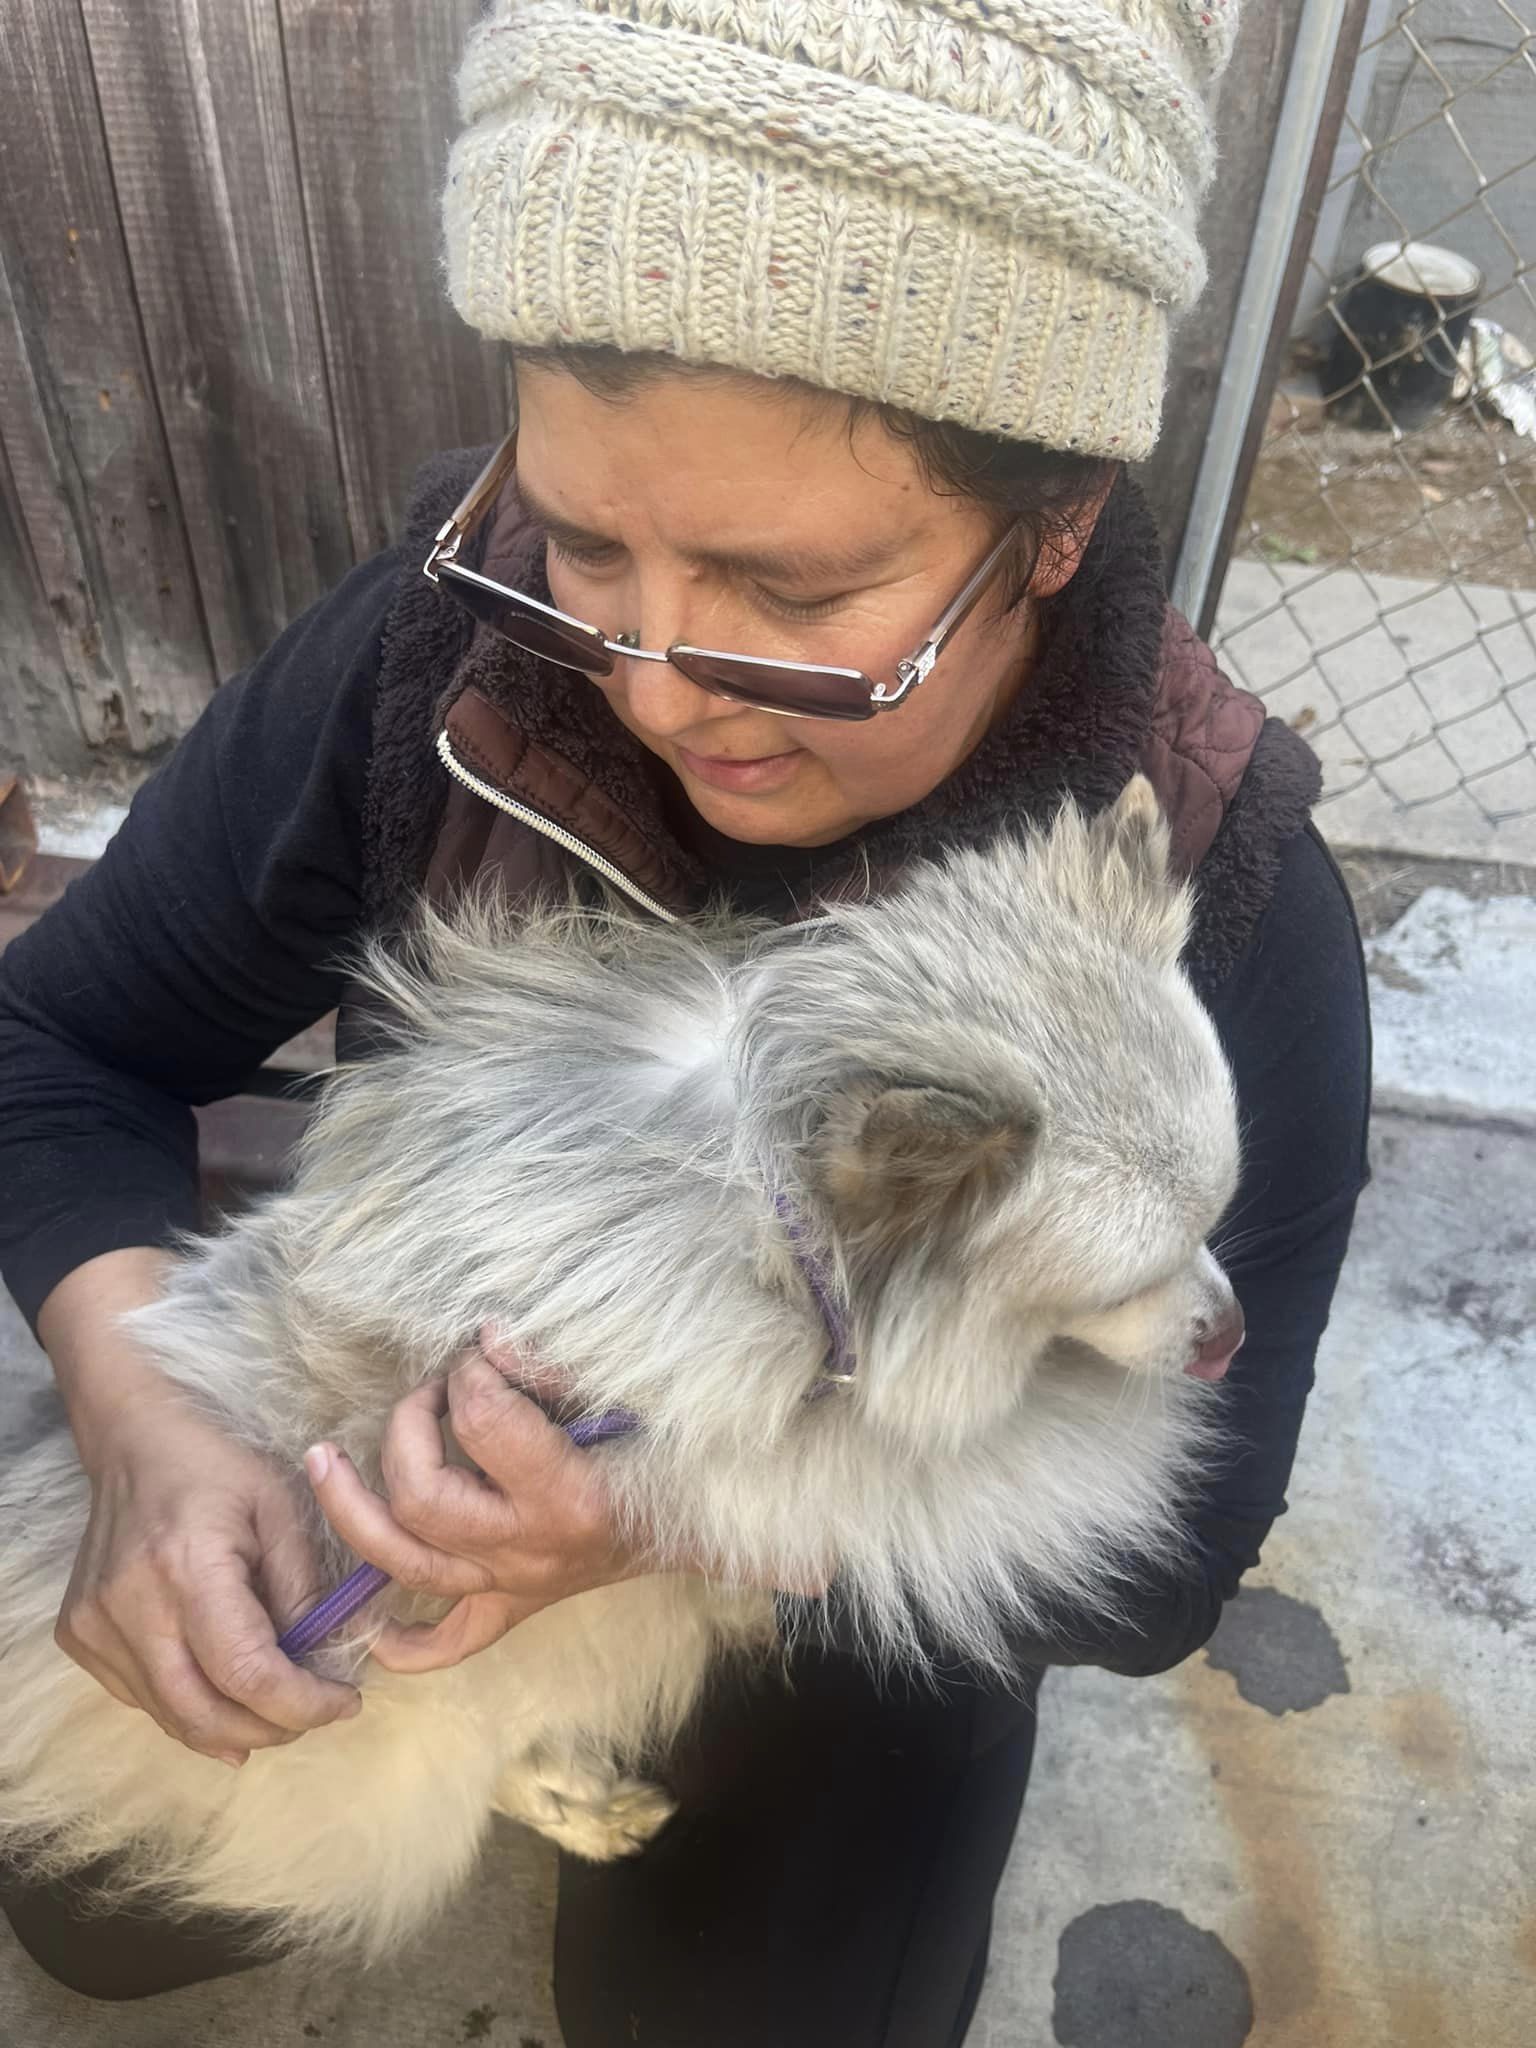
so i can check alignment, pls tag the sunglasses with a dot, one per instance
(789, 689)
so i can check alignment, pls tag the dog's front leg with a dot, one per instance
(584, 1688)
(584, 1804)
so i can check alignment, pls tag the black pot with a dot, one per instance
(1405, 319)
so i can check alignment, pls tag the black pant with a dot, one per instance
(827, 1882)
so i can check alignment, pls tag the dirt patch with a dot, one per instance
(1440, 502)
(1451, 1565)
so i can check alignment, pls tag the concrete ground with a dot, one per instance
(1316, 1834)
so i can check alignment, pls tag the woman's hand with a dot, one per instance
(534, 1525)
(194, 1542)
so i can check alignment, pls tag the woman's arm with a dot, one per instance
(204, 936)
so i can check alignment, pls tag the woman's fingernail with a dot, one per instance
(317, 1462)
(233, 1757)
(352, 1709)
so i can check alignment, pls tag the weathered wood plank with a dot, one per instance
(95, 485)
(43, 548)
(195, 108)
(373, 116)
(38, 725)
(1246, 113)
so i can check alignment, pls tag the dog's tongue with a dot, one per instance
(1209, 1368)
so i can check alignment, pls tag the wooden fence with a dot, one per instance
(225, 342)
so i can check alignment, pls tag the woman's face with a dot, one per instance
(670, 484)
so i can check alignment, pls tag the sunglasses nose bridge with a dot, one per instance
(666, 698)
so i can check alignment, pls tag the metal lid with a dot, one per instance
(1422, 268)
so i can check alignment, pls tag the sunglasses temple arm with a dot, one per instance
(915, 668)
(474, 501)
(965, 603)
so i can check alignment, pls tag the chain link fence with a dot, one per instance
(1382, 595)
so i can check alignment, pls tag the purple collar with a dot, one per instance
(838, 1369)
(840, 1364)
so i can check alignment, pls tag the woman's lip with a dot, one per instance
(767, 771)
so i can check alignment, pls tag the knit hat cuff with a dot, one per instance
(608, 234)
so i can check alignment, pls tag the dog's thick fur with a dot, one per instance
(1006, 1125)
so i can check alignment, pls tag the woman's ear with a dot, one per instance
(1061, 555)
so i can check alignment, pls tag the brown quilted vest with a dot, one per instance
(536, 761)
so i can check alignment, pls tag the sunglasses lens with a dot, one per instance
(524, 626)
(772, 686)
(812, 693)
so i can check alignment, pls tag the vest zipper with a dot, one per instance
(537, 823)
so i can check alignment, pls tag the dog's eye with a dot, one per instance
(1151, 1285)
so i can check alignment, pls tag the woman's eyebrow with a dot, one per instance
(788, 564)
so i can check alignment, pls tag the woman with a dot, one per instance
(806, 320)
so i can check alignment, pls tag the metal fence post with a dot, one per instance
(1312, 68)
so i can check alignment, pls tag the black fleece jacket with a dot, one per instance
(210, 931)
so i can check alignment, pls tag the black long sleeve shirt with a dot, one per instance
(210, 930)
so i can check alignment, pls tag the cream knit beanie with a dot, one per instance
(979, 210)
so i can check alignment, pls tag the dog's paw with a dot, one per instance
(584, 1808)
(621, 1826)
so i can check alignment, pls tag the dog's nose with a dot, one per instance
(1218, 1350)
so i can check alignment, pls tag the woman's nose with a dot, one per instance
(662, 700)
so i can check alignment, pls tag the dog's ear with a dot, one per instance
(895, 1157)
(1132, 851)
(1135, 828)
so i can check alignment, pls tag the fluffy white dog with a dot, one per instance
(986, 1112)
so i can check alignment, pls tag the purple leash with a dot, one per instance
(355, 1591)
(311, 1630)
